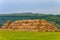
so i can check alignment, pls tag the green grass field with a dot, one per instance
(18, 35)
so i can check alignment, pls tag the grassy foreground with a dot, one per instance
(18, 35)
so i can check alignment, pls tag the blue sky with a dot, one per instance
(35, 6)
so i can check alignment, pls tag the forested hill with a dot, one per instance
(20, 16)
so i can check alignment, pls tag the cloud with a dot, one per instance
(36, 6)
(43, 11)
(29, 0)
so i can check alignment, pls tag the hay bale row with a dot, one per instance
(31, 25)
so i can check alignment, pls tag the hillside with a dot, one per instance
(21, 16)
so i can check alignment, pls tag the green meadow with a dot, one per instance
(19, 35)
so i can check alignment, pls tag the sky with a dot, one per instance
(34, 6)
